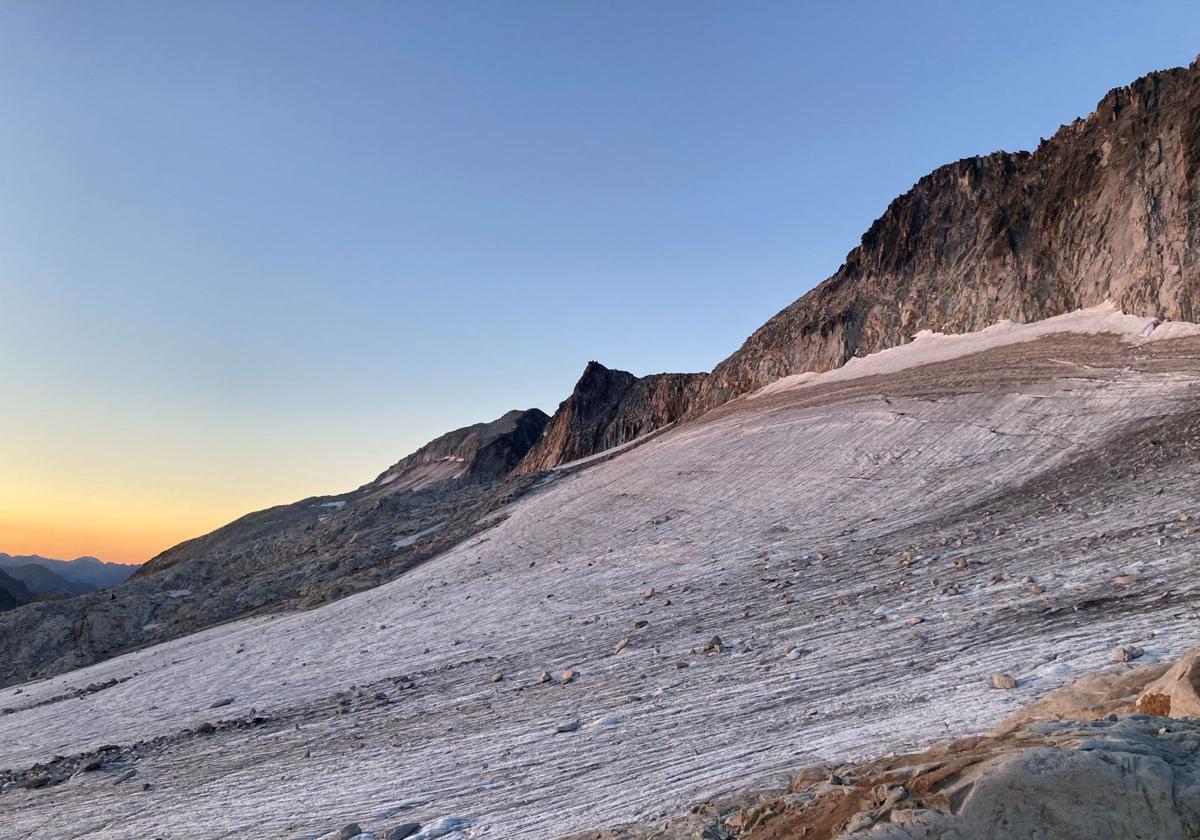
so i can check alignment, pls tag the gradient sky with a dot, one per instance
(252, 251)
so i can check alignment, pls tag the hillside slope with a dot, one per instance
(298, 555)
(866, 549)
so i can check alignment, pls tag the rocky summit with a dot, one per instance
(609, 408)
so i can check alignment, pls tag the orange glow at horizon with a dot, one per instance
(109, 532)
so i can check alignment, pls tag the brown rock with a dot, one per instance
(1177, 692)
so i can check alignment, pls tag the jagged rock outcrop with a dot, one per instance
(472, 455)
(608, 408)
(1108, 208)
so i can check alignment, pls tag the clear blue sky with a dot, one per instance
(251, 251)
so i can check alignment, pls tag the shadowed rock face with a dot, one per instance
(13, 592)
(608, 408)
(1109, 208)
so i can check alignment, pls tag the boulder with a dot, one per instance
(1177, 692)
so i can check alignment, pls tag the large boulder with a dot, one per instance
(1177, 692)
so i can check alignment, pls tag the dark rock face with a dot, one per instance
(1109, 208)
(474, 454)
(608, 408)
(13, 592)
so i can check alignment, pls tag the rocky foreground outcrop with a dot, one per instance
(1067, 767)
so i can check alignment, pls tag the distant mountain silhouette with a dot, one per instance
(83, 574)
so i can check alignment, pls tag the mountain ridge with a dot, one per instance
(1107, 208)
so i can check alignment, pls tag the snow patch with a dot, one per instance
(411, 539)
(928, 347)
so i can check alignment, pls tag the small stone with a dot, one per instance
(914, 620)
(621, 645)
(125, 777)
(1003, 681)
(1124, 580)
(648, 593)
(35, 782)
(638, 625)
(713, 645)
(569, 675)
(403, 830)
(228, 701)
(563, 728)
(92, 765)
(498, 676)
(347, 832)
(545, 677)
(796, 652)
(1127, 653)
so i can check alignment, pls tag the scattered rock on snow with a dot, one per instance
(443, 827)
(566, 727)
(402, 831)
(1003, 681)
(1127, 653)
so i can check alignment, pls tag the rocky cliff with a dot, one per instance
(1108, 208)
(608, 408)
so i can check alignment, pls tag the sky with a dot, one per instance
(252, 252)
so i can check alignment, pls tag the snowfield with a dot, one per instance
(868, 549)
